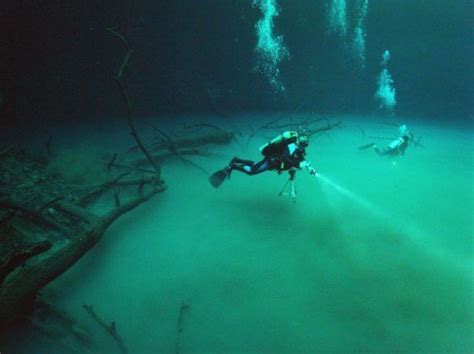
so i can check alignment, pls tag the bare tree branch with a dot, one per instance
(18, 257)
(77, 212)
(34, 214)
(123, 91)
(109, 328)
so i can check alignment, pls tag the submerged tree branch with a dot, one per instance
(123, 92)
(18, 257)
(32, 213)
(22, 287)
(179, 326)
(109, 328)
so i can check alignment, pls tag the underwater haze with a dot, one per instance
(375, 252)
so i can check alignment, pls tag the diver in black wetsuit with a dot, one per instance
(292, 155)
(286, 152)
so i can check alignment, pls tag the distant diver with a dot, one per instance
(286, 152)
(397, 147)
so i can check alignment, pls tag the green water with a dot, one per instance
(389, 271)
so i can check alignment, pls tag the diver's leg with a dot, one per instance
(242, 161)
(241, 168)
(260, 167)
(380, 151)
(241, 165)
(253, 168)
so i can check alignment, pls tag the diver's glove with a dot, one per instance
(312, 171)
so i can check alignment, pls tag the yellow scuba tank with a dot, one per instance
(275, 146)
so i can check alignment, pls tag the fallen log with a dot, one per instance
(19, 290)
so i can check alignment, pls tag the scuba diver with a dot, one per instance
(285, 152)
(397, 146)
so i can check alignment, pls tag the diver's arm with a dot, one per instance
(306, 164)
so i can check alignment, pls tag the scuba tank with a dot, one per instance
(275, 147)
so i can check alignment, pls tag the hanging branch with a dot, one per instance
(119, 80)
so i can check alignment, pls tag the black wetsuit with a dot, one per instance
(285, 161)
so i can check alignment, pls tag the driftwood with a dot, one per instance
(109, 328)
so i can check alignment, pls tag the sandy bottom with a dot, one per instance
(376, 255)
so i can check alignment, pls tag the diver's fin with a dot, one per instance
(366, 146)
(219, 177)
